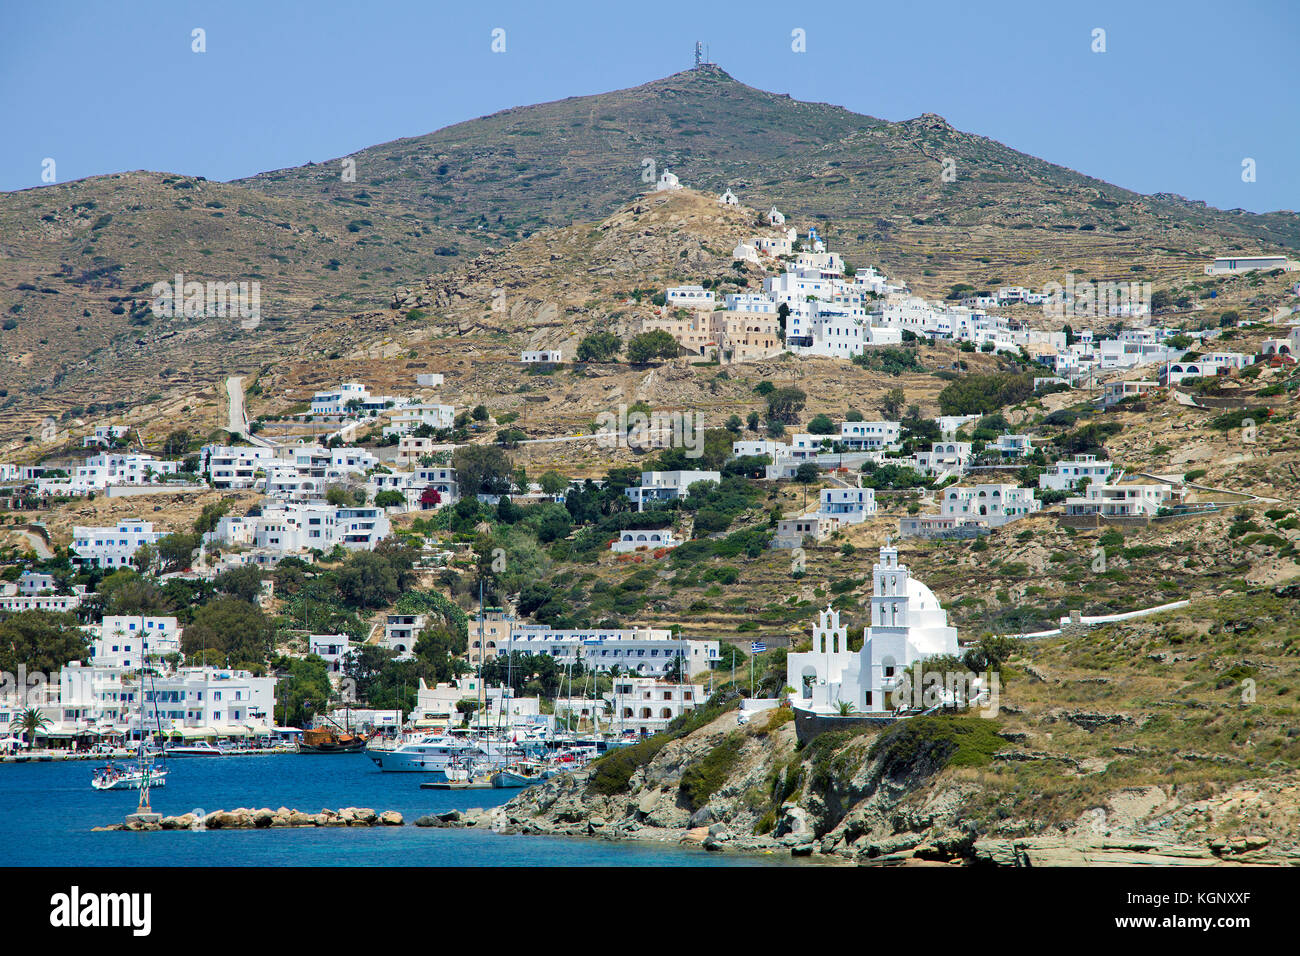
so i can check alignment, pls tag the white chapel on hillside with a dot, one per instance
(908, 624)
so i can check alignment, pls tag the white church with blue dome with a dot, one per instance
(908, 624)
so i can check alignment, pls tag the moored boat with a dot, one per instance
(200, 749)
(521, 774)
(114, 778)
(328, 741)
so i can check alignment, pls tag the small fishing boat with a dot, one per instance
(118, 778)
(521, 774)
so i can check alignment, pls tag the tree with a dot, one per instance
(303, 689)
(342, 496)
(389, 499)
(785, 404)
(144, 557)
(821, 425)
(210, 515)
(599, 346)
(891, 406)
(244, 583)
(734, 424)
(752, 421)
(651, 345)
(237, 630)
(175, 551)
(367, 580)
(176, 443)
(479, 414)
(482, 470)
(553, 483)
(805, 475)
(30, 722)
(126, 592)
(40, 642)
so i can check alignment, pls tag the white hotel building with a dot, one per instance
(112, 548)
(1066, 474)
(109, 469)
(194, 702)
(126, 640)
(847, 505)
(998, 504)
(234, 466)
(644, 651)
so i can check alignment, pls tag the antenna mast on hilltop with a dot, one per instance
(701, 55)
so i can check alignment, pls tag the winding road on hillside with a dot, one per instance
(237, 423)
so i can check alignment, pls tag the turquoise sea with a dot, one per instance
(47, 811)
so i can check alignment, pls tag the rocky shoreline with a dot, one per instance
(951, 848)
(752, 789)
(244, 818)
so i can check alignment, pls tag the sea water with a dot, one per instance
(47, 811)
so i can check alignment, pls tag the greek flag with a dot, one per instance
(757, 646)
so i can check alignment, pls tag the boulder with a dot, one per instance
(793, 828)
(263, 818)
(391, 818)
(702, 817)
(648, 802)
(695, 835)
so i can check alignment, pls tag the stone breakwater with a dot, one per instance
(244, 818)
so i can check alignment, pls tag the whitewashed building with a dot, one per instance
(647, 705)
(333, 649)
(404, 420)
(114, 547)
(998, 504)
(689, 297)
(401, 631)
(1120, 501)
(667, 485)
(798, 531)
(109, 469)
(1066, 474)
(1229, 265)
(235, 466)
(907, 624)
(847, 505)
(541, 356)
(644, 539)
(126, 640)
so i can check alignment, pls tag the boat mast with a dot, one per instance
(143, 806)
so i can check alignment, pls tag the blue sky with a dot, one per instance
(1183, 94)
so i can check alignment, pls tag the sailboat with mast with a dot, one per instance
(143, 775)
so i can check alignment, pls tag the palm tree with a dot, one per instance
(846, 707)
(30, 721)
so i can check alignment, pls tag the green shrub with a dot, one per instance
(926, 745)
(702, 779)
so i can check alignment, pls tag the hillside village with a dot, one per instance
(683, 476)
